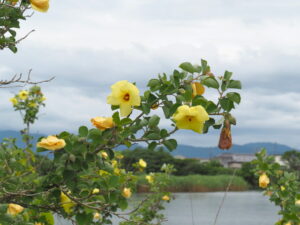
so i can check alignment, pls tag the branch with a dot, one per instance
(18, 81)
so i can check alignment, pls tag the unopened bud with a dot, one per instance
(198, 89)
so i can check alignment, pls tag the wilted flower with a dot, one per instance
(14, 209)
(225, 141)
(40, 5)
(126, 95)
(264, 180)
(191, 118)
(51, 143)
(103, 123)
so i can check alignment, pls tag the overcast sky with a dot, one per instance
(89, 46)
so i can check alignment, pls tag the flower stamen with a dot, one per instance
(126, 97)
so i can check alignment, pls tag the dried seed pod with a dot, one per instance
(225, 141)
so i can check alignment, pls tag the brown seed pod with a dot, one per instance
(225, 141)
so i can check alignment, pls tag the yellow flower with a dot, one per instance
(103, 123)
(150, 178)
(32, 104)
(126, 193)
(125, 95)
(198, 89)
(51, 143)
(14, 209)
(297, 202)
(191, 118)
(103, 173)
(42, 99)
(14, 101)
(40, 5)
(263, 180)
(97, 216)
(38, 223)
(104, 155)
(119, 156)
(117, 171)
(96, 191)
(166, 198)
(66, 203)
(23, 95)
(282, 188)
(288, 223)
(114, 163)
(142, 163)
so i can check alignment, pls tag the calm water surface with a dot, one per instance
(240, 208)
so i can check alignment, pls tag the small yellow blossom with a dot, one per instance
(103, 123)
(198, 89)
(14, 209)
(42, 99)
(282, 188)
(297, 202)
(66, 203)
(104, 155)
(150, 178)
(51, 143)
(38, 223)
(288, 223)
(191, 118)
(117, 171)
(119, 156)
(126, 95)
(23, 95)
(96, 191)
(103, 173)
(40, 5)
(114, 163)
(97, 216)
(142, 163)
(14, 101)
(166, 198)
(126, 193)
(263, 180)
(32, 104)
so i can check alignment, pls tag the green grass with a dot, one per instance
(201, 183)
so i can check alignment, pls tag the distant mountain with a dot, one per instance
(17, 135)
(190, 151)
(209, 152)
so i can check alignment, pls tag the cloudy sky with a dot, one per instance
(89, 46)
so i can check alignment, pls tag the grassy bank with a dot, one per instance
(199, 183)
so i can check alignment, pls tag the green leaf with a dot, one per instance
(116, 118)
(153, 136)
(152, 145)
(227, 75)
(226, 104)
(236, 84)
(171, 144)
(186, 66)
(211, 82)
(154, 121)
(83, 131)
(154, 84)
(235, 97)
(83, 218)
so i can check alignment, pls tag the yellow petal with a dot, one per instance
(125, 109)
(40, 5)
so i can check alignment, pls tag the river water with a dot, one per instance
(239, 208)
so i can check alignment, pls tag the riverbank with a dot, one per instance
(200, 183)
